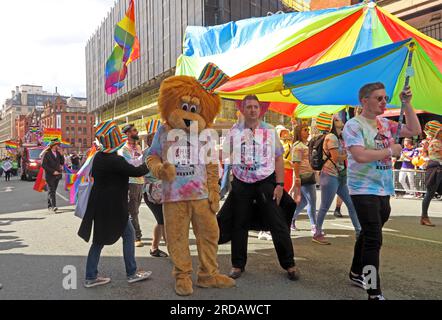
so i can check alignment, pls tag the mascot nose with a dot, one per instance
(187, 122)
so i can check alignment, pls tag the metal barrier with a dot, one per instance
(418, 178)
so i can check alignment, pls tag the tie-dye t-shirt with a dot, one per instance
(374, 178)
(254, 158)
(134, 157)
(191, 179)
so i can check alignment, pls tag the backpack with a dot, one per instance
(316, 152)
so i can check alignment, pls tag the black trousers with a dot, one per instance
(244, 194)
(8, 175)
(52, 192)
(373, 212)
(431, 192)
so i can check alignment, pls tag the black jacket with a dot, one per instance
(107, 208)
(433, 175)
(225, 217)
(51, 163)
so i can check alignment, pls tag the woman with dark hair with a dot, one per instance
(303, 189)
(333, 173)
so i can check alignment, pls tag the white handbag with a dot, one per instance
(84, 191)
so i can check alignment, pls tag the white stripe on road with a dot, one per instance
(413, 238)
(392, 234)
(352, 228)
(64, 198)
(342, 226)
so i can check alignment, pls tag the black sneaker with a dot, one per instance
(337, 213)
(358, 281)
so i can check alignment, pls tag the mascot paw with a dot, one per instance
(214, 200)
(167, 172)
(183, 287)
(219, 281)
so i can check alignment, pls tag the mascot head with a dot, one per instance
(184, 99)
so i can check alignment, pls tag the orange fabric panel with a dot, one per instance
(283, 108)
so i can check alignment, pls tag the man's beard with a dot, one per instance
(135, 138)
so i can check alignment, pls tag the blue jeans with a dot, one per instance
(128, 254)
(330, 186)
(308, 198)
(225, 180)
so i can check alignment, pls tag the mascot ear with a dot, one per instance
(212, 77)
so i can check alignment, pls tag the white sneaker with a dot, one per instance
(139, 276)
(408, 196)
(50, 210)
(265, 236)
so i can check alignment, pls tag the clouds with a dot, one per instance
(43, 43)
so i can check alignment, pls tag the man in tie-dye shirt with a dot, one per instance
(258, 171)
(370, 141)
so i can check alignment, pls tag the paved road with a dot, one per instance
(35, 246)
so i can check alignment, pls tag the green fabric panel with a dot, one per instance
(426, 84)
(305, 112)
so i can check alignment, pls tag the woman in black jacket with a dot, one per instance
(107, 207)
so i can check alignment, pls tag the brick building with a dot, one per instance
(71, 116)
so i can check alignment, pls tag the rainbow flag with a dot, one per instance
(152, 126)
(34, 129)
(51, 134)
(126, 50)
(70, 178)
(82, 174)
(65, 144)
(11, 147)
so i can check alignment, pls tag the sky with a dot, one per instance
(43, 43)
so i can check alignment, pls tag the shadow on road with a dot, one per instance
(12, 242)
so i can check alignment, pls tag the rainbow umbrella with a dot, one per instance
(259, 53)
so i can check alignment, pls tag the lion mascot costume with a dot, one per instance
(190, 190)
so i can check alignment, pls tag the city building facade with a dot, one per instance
(71, 116)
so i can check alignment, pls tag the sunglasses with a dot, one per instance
(380, 98)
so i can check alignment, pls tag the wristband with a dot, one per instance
(281, 184)
(391, 152)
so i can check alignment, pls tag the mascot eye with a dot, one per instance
(185, 106)
(193, 109)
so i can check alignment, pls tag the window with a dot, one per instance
(84, 143)
(58, 120)
(73, 131)
(73, 120)
(84, 120)
(68, 132)
(80, 131)
(84, 131)
(73, 142)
